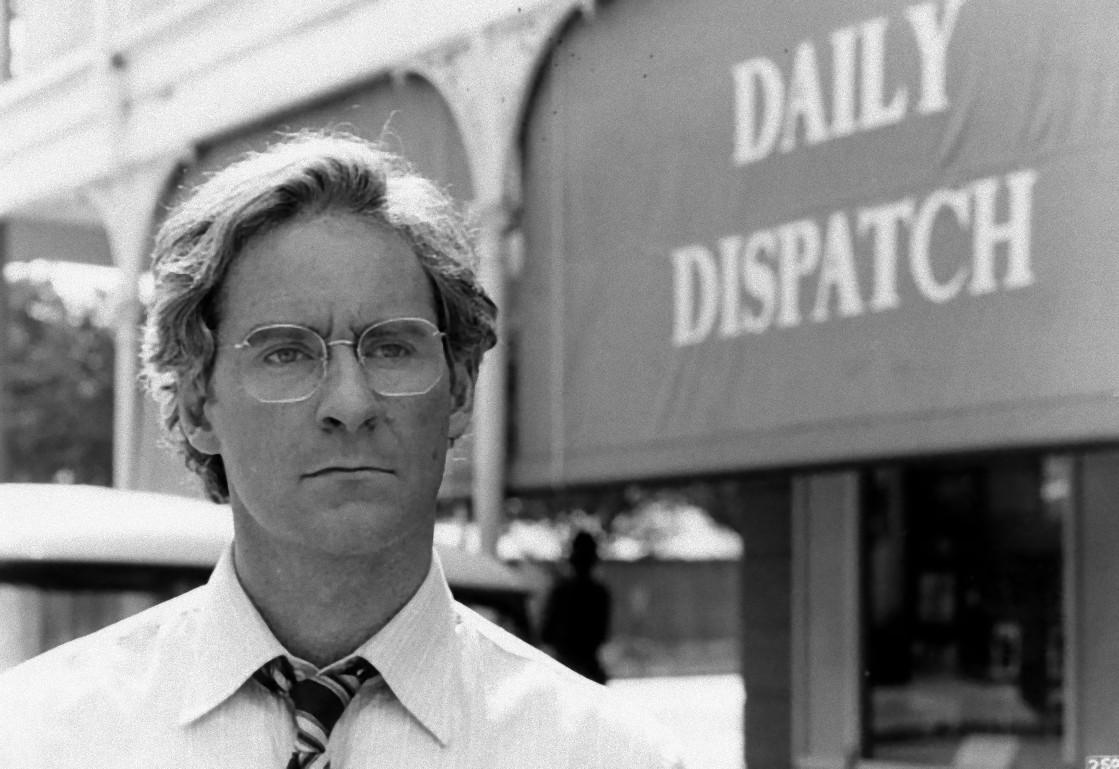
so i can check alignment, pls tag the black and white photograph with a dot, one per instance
(559, 384)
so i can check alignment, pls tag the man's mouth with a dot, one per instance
(354, 470)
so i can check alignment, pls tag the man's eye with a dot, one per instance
(281, 356)
(389, 351)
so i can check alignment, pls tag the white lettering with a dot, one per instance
(756, 81)
(768, 108)
(837, 271)
(805, 102)
(798, 256)
(756, 281)
(932, 45)
(884, 221)
(695, 302)
(1015, 232)
(843, 42)
(729, 248)
(760, 281)
(875, 112)
(744, 268)
(920, 244)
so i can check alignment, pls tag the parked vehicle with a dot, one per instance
(76, 558)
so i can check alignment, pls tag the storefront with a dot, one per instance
(963, 596)
(859, 258)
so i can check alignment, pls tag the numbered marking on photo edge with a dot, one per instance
(1101, 762)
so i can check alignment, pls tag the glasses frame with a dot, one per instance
(355, 347)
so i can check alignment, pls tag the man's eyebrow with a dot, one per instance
(294, 319)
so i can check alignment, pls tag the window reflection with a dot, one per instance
(963, 596)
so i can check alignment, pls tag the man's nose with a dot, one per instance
(346, 399)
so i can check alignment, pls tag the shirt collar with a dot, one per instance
(415, 652)
(228, 622)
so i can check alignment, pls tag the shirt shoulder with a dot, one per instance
(89, 679)
(523, 694)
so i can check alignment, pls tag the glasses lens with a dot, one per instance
(281, 363)
(402, 356)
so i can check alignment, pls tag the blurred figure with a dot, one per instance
(577, 613)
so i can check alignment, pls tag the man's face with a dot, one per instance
(346, 471)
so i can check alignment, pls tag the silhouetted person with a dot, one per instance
(577, 614)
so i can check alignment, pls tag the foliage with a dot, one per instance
(58, 389)
(611, 504)
(674, 518)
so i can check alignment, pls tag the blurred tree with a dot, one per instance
(653, 516)
(721, 498)
(58, 389)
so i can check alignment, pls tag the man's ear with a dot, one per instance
(462, 403)
(194, 422)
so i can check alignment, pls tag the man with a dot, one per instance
(314, 341)
(576, 618)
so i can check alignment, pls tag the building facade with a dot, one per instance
(851, 265)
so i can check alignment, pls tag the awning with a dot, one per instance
(772, 234)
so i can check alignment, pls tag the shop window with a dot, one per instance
(962, 629)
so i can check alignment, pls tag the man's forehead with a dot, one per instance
(325, 273)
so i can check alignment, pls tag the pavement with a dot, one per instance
(703, 712)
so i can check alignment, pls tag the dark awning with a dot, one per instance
(769, 234)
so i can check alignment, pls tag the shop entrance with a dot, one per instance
(962, 595)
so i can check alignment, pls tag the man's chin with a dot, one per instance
(364, 525)
(342, 520)
(374, 544)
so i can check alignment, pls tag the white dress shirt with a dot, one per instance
(172, 687)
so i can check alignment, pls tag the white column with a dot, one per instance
(126, 205)
(490, 392)
(503, 58)
(826, 674)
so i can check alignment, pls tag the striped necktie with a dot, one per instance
(318, 701)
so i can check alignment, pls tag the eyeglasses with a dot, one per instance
(286, 363)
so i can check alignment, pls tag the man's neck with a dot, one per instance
(321, 607)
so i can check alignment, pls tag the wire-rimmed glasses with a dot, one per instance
(286, 363)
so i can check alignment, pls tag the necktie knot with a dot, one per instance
(318, 700)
